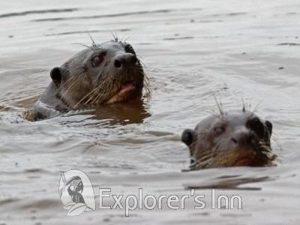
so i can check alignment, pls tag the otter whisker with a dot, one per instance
(219, 105)
(74, 82)
(244, 107)
(93, 42)
(206, 157)
(79, 70)
(89, 47)
(97, 98)
(147, 87)
(62, 86)
(88, 95)
(140, 59)
(94, 95)
(265, 148)
(256, 107)
(68, 86)
(115, 37)
(106, 86)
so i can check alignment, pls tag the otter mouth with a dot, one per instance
(256, 155)
(263, 149)
(125, 92)
(259, 154)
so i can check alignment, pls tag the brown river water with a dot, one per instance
(193, 51)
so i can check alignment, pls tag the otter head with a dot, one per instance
(101, 74)
(230, 139)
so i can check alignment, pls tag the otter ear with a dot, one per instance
(56, 76)
(269, 127)
(188, 136)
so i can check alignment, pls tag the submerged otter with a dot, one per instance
(230, 139)
(101, 74)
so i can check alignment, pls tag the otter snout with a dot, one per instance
(127, 59)
(245, 139)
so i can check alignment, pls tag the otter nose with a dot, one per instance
(244, 139)
(125, 60)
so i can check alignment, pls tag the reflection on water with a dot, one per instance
(25, 13)
(192, 51)
(131, 112)
(230, 183)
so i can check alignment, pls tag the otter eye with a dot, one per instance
(129, 49)
(219, 130)
(97, 60)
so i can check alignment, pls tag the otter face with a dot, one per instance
(232, 139)
(101, 74)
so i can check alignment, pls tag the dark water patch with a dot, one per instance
(159, 133)
(229, 14)
(236, 14)
(231, 183)
(133, 112)
(236, 215)
(41, 204)
(25, 13)
(178, 38)
(161, 11)
(103, 16)
(34, 170)
(289, 44)
(291, 13)
(228, 176)
(87, 32)
(8, 201)
(145, 43)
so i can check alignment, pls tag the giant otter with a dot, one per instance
(101, 74)
(230, 139)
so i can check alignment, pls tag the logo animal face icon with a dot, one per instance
(76, 192)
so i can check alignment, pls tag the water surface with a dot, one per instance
(192, 51)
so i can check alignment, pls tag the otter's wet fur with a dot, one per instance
(100, 74)
(235, 138)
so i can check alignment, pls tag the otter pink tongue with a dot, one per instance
(126, 88)
(122, 94)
